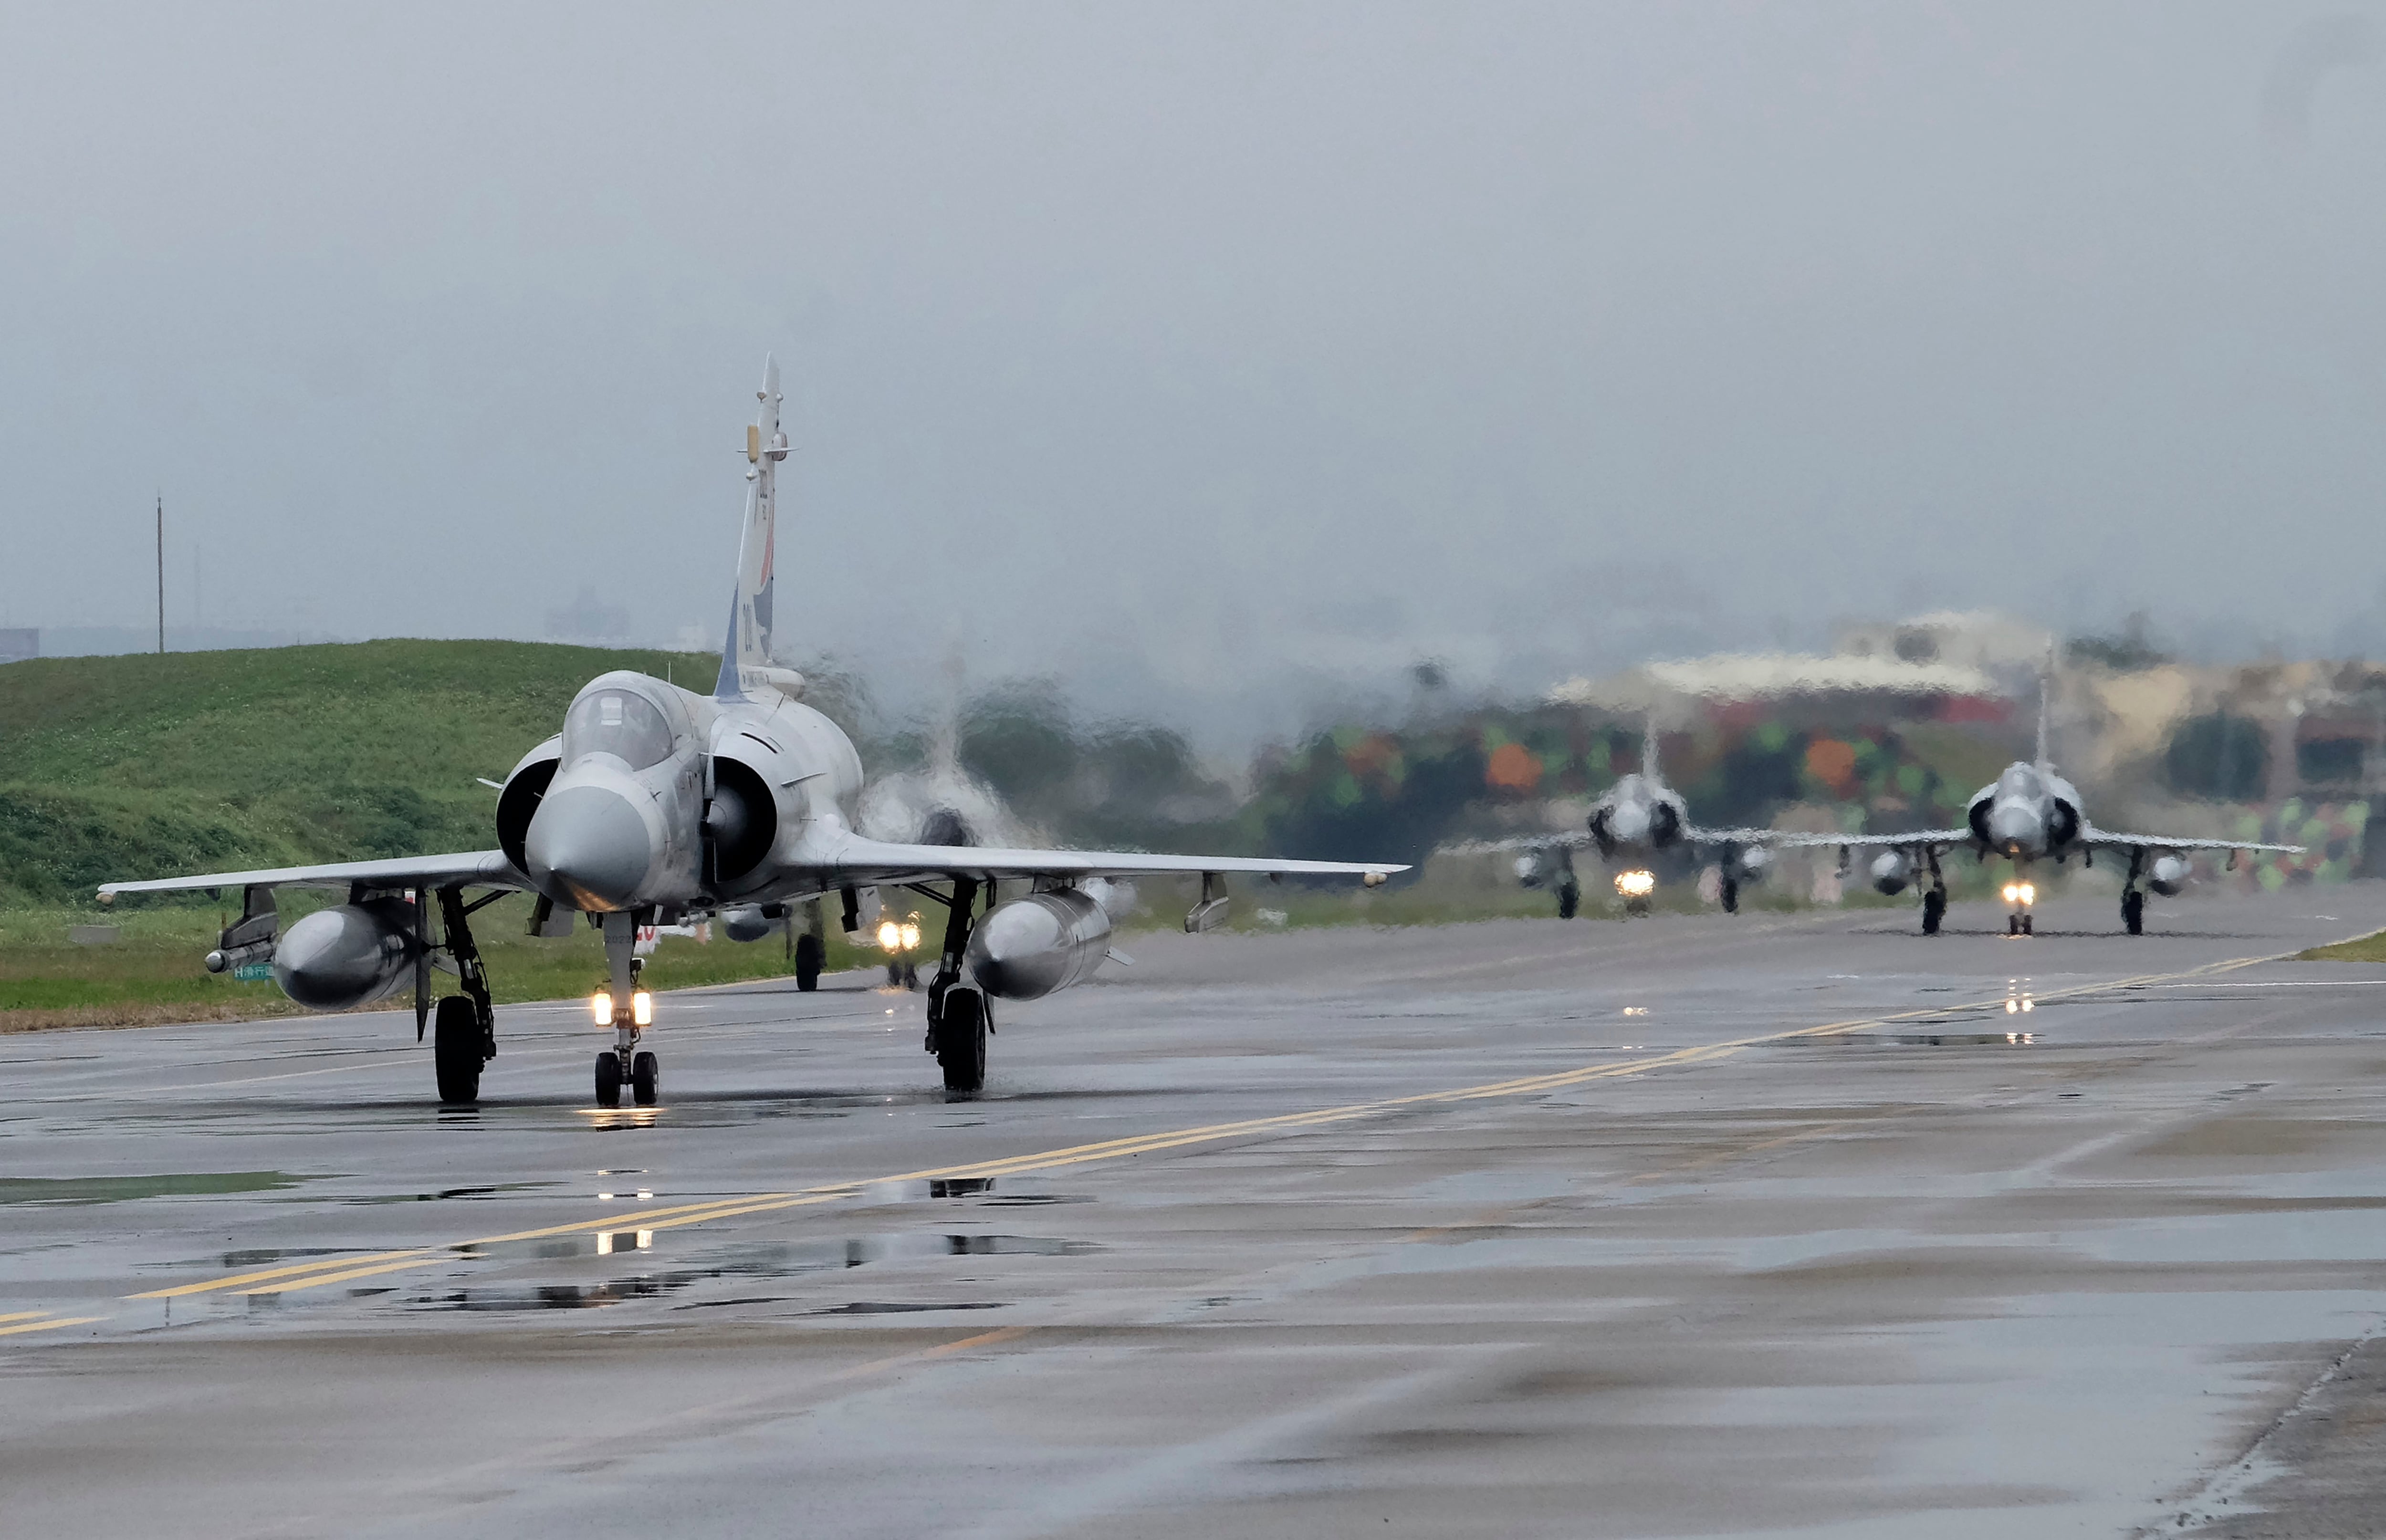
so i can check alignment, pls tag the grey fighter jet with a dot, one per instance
(1638, 819)
(2027, 815)
(657, 803)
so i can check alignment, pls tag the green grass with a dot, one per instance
(151, 765)
(2368, 948)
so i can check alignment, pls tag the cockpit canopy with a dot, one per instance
(2020, 779)
(616, 718)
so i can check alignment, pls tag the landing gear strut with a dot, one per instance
(811, 947)
(623, 1062)
(465, 1030)
(2133, 894)
(1934, 897)
(957, 1014)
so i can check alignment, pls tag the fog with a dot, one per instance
(1214, 362)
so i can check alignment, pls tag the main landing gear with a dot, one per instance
(1934, 897)
(809, 948)
(958, 1022)
(2133, 894)
(632, 1010)
(1569, 887)
(464, 1031)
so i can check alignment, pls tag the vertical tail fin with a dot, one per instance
(2045, 705)
(748, 644)
(1648, 770)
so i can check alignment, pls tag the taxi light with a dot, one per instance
(2029, 894)
(641, 1008)
(601, 1005)
(911, 938)
(890, 935)
(1636, 885)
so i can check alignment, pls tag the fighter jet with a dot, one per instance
(657, 803)
(1640, 819)
(2027, 815)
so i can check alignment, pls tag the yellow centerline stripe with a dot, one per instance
(339, 1270)
(49, 1325)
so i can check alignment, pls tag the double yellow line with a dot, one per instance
(341, 1270)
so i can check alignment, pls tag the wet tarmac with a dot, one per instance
(1692, 1225)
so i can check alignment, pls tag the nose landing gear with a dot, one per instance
(623, 1062)
(2021, 893)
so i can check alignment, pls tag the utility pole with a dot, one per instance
(161, 572)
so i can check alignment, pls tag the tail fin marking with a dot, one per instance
(748, 644)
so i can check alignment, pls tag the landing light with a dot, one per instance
(890, 935)
(641, 1008)
(1636, 885)
(2021, 893)
(911, 938)
(601, 1005)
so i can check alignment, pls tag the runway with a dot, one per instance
(1685, 1226)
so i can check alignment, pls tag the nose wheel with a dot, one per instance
(2017, 925)
(641, 1074)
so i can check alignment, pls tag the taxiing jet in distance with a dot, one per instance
(2027, 815)
(1636, 820)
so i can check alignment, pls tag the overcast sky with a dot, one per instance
(1209, 351)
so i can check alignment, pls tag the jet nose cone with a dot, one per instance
(2014, 825)
(587, 846)
(1630, 821)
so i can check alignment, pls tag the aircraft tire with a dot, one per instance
(810, 955)
(456, 1051)
(1934, 909)
(2133, 912)
(1569, 901)
(960, 1040)
(2013, 924)
(2027, 929)
(608, 1079)
(1730, 897)
(643, 1079)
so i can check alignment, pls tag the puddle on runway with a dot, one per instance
(1923, 1040)
(448, 1193)
(547, 1296)
(875, 1306)
(126, 1189)
(786, 1260)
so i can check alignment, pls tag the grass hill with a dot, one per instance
(155, 764)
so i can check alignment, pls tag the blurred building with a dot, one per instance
(2009, 649)
(1724, 686)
